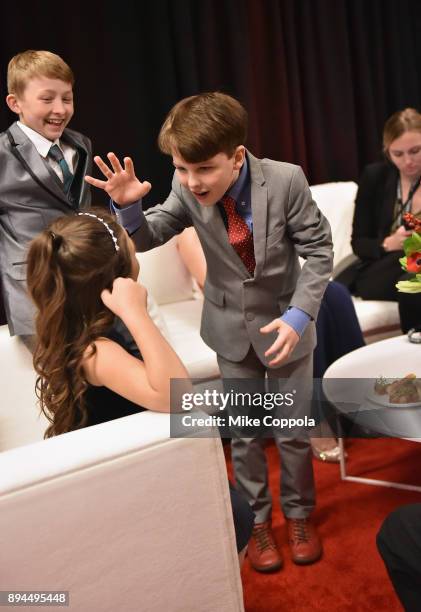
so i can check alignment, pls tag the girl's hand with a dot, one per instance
(127, 296)
(122, 184)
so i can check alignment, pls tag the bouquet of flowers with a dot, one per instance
(412, 260)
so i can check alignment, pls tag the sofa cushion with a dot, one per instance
(156, 315)
(123, 516)
(183, 320)
(378, 319)
(20, 419)
(336, 201)
(164, 274)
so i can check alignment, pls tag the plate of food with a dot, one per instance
(397, 392)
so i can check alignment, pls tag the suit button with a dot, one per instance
(249, 316)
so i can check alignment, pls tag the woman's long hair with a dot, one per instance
(69, 265)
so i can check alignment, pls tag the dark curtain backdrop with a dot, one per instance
(318, 77)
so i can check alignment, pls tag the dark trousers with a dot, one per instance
(243, 517)
(337, 327)
(376, 280)
(399, 543)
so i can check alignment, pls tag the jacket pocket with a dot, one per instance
(214, 295)
(18, 270)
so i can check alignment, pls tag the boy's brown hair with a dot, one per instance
(30, 64)
(201, 126)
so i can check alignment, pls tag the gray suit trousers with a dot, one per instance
(248, 455)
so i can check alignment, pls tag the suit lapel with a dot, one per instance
(40, 171)
(211, 227)
(259, 209)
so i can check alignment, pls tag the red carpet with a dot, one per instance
(351, 575)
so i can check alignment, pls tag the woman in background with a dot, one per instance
(387, 190)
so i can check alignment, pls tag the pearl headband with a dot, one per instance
(109, 229)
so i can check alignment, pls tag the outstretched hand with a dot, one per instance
(284, 344)
(122, 184)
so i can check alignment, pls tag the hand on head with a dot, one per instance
(122, 184)
(126, 296)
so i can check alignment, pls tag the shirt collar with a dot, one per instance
(235, 191)
(42, 144)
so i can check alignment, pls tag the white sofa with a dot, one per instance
(121, 517)
(119, 514)
(378, 320)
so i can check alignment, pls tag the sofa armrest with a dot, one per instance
(121, 516)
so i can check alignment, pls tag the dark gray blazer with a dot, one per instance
(286, 224)
(31, 196)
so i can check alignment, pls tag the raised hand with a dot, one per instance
(122, 184)
(126, 298)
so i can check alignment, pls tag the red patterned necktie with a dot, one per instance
(239, 235)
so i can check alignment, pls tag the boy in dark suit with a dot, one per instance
(253, 218)
(42, 169)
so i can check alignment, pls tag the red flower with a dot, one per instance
(413, 262)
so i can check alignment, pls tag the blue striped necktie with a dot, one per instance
(56, 154)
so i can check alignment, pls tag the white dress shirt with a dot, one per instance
(43, 145)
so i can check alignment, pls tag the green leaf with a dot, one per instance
(403, 262)
(410, 286)
(412, 244)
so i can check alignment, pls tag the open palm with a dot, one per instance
(122, 184)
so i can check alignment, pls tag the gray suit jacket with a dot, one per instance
(31, 196)
(286, 224)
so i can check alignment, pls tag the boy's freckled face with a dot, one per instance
(209, 180)
(45, 106)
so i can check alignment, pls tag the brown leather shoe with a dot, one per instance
(304, 541)
(262, 551)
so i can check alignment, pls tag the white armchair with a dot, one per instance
(378, 320)
(122, 517)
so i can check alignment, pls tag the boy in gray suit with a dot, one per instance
(42, 167)
(253, 217)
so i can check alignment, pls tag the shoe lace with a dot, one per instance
(300, 531)
(263, 538)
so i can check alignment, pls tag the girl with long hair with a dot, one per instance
(82, 273)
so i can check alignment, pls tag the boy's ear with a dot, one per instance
(13, 104)
(239, 155)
